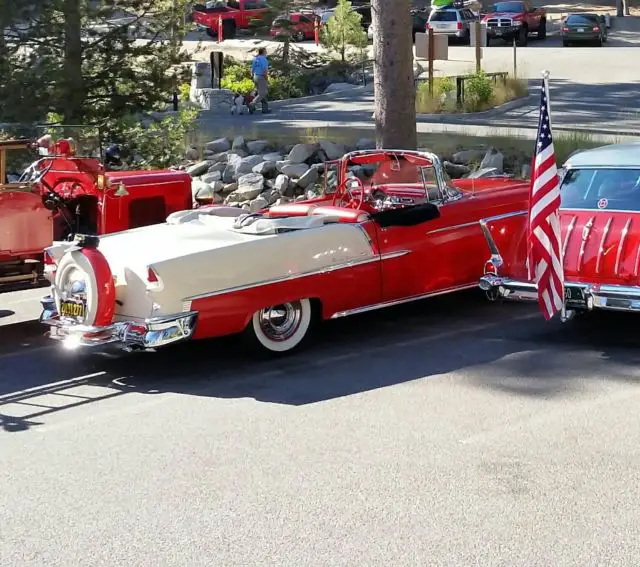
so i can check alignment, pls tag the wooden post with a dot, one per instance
(478, 46)
(431, 55)
(515, 61)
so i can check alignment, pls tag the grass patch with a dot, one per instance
(481, 93)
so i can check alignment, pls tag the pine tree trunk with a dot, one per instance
(395, 108)
(72, 101)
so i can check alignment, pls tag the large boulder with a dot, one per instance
(493, 158)
(366, 144)
(265, 168)
(231, 170)
(331, 149)
(212, 177)
(308, 178)
(301, 152)
(456, 170)
(249, 186)
(295, 169)
(281, 164)
(199, 168)
(238, 143)
(467, 156)
(272, 156)
(257, 146)
(217, 146)
(247, 164)
(258, 204)
(281, 184)
(219, 166)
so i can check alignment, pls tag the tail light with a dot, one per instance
(152, 276)
(490, 268)
(459, 25)
(595, 29)
(565, 29)
(428, 27)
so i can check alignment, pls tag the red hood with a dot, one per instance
(601, 246)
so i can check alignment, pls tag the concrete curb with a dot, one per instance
(461, 118)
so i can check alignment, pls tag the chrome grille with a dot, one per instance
(499, 23)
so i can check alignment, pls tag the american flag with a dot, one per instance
(545, 258)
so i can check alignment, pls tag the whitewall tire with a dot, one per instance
(281, 328)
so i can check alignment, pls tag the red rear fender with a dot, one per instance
(506, 237)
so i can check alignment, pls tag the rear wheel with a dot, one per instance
(565, 43)
(542, 30)
(599, 42)
(523, 36)
(299, 36)
(280, 328)
(228, 29)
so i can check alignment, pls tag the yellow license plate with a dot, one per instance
(72, 309)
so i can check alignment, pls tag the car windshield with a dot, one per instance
(444, 16)
(396, 171)
(593, 189)
(582, 20)
(508, 7)
(326, 17)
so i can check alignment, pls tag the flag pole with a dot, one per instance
(545, 78)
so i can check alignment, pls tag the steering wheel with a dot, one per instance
(344, 191)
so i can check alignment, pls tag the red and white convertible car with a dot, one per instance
(399, 230)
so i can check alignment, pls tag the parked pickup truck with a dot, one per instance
(236, 15)
(515, 20)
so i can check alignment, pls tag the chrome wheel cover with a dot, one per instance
(280, 322)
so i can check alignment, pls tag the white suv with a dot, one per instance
(454, 22)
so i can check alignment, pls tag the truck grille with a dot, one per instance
(499, 23)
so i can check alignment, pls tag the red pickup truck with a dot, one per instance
(236, 15)
(515, 20)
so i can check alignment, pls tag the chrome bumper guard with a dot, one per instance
(128, 335)
(577, 295)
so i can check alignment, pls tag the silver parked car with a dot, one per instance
(454, 22)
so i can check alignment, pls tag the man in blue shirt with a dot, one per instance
(260, 74)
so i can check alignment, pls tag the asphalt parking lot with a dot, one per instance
(449, 432)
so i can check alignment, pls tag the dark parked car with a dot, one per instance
(584, 28)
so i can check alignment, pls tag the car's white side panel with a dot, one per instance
(260, 260)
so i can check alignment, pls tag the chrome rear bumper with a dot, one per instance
(577, 295)
(127, 335)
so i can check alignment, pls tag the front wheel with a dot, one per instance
(522, 37)
(542, 30)
(280, 328)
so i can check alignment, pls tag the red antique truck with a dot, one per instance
(515, 19)
(62, 194)
(235, 14)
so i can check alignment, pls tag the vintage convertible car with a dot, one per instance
(397, 230)
(600, 220)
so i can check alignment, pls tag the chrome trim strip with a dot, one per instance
(572, 225)
(505, 216)
(342, 266)
(493, 247)
(384, 304)
(625, 231)
(446, 228)
(635, 267)
(396, 254)
(586, 231)
(605, 232)
(601, 210)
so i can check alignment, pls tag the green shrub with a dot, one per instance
(282, 85)
(478, 91)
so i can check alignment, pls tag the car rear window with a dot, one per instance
(613, 189)
(582, 19)
(444, 16)
(508, 7)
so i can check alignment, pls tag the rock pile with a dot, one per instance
(254, 174)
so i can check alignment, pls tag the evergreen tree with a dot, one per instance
(88, 60)
(344, 30)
